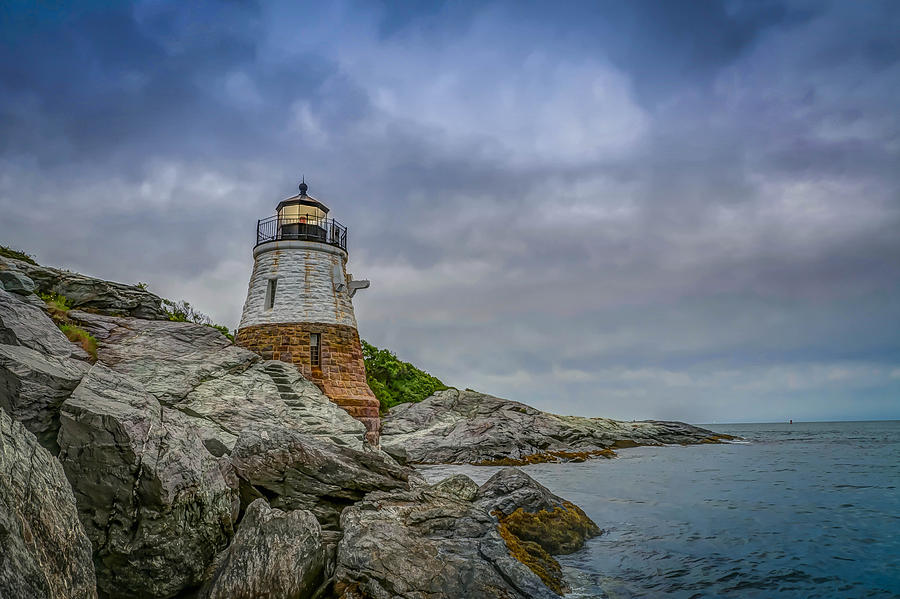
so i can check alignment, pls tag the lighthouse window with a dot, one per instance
(314, 343)
(270, 294)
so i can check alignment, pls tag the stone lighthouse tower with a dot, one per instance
(299, 308)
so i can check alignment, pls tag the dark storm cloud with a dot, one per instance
(638, 209)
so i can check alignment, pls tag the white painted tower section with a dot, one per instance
(311, 285)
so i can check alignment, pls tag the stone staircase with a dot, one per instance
(283, 383)
(282, 374)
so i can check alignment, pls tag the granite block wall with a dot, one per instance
(341, 373)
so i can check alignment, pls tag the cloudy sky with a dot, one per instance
(628, 209)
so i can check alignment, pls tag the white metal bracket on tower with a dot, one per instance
(355, 286)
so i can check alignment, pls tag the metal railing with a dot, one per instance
(304, 228)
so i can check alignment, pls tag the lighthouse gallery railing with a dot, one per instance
(304, 228)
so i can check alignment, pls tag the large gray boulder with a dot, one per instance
(299, 471)
(36, 370)
(44, 552)
(24, 324)
(15, 282)
(88, 292)
(155, 503)
(274, 554)
(168, 358)
(467, 427)
(428, 542)
(33, 386)
(511, 489)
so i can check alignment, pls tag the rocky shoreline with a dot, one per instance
(168, 462)
(467, 427)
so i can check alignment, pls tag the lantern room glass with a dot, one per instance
(298, 213)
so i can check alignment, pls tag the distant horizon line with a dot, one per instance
(798, 422)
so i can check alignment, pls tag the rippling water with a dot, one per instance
(802, 510)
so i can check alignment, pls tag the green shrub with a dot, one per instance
(224, 330)
(183, 312)
(7, 252)
(82, 337)
(394, 381)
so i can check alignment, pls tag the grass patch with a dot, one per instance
(7, 252)
(394, 381)
(58, 306)
(78, 335)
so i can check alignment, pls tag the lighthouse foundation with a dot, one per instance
(341, 372)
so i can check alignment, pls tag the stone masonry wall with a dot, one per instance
(341, 373)
(308, 273)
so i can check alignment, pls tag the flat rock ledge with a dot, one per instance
(84, 292)
(467, 427)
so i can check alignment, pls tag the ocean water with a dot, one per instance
(795, 510)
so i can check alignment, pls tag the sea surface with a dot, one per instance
(794, 510)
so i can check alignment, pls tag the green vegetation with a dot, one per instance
(7, 252)
(80, 336)
(57, 305)
(183, 312)
(394, 381)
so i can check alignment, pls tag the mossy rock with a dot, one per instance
(554, 456)
(534, 537)
(561, 531)
(535, 557)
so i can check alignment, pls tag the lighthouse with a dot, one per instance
(299, 304)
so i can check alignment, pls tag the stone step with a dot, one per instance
(275, 371)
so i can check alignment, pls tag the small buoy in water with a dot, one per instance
(790, 422)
